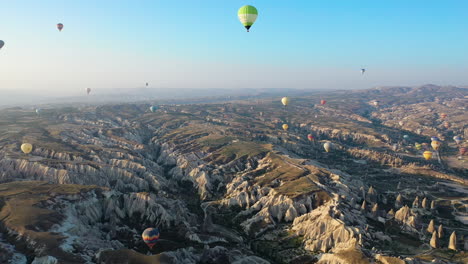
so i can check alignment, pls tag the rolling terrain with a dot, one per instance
(224, 183)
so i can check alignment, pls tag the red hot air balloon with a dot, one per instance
(150, 236)
(60, 26)
(443, 115)
(323, 102)
(310, 137)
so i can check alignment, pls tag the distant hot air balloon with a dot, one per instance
(405, 137)
(443, 115)
(38, 111)
(417, 146)
(447, 125)
(285, 127)
(60, 26)
(247, 16)
(153, 108)
(435, 138)
(150, 236)
(26, 148)
(462, 151)
(327, 146)
(427, 155)
(418, 131)
(285, 101)
(310, 137)
(323, 102)
(458, 139)
(146, 84)
(435, 145)
(376, 103)
(1, 44)
(88, 90)
(395, 147)
(401, 123)
(363, 71)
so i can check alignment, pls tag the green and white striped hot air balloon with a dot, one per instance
(247, 16)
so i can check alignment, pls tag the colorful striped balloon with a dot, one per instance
(150, 236)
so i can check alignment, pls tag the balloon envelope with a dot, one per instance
(427, 155)
(153, 108)
(38, 111)
(458, 139)
(435, 145)
(88, 90)
(150, 236)
(463, 150)
(310, 137)
(417, 146)
(327, 146)
(247, 16)
(285, 101)
(1, 44)
(406, 137)
(26, 148)
(60, 26)
(285, 127)
(323, 102)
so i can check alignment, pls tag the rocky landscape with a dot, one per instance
(224, 183)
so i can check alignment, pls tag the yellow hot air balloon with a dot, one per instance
(327, 146)
(26, 148)
(435, 145)
(427, 155)
(285, 127)
(285, 101)
(418, 146)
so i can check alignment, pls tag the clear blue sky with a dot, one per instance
(201, 43)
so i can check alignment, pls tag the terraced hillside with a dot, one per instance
(225, 183)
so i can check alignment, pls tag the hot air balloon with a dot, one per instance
(60, 26)
(285, 127)
(405, 137)
(1, 44)
(427, 155)
(153, 108)
(88, 90)
(435, 139)
(327, 146)
(146, 84)
(26, 148)
(447, 125)
(401, 123)
(247, 16)
(323, 102)
(458, 139)
(285, 101)
(363, 71)
(435, 145)
(150, 236)
(310, 137)
(395, 147)
(418, 131)
(462, 151)
(417, 146)
(38, 111)
(443, 115)
(376, 103)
